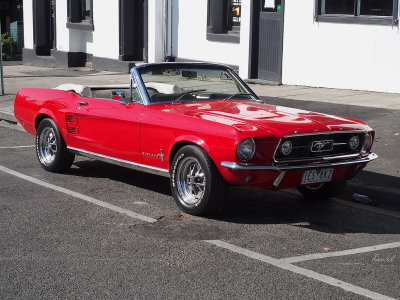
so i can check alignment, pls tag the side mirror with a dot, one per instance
(118, 95)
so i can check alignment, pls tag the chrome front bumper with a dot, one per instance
(286, 167)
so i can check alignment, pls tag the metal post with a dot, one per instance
(1, 66)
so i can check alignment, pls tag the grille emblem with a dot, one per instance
(320, 146)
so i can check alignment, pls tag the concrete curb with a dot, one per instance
(8, 117)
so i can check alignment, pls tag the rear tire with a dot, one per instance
(51, 149)
(196, 184)
(322, 192)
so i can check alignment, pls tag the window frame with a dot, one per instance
(215, 23)
(361, 19)
(74, 19)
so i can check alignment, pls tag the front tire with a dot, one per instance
(51, 149)
(196, 183)
(323, 191)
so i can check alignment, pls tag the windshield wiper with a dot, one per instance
(180, 96)
(243, 94)
(239, 94)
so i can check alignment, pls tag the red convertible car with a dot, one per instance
(200, 125)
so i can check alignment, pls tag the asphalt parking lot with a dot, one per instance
(105, 232)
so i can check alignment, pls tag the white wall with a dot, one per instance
(28, 24)
(155, 31)
(102, 42)
(62, 34)
(190, 40)
(345, 56)
(106, 29)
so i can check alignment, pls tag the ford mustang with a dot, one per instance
(200, 125)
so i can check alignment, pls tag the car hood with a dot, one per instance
(278, 120)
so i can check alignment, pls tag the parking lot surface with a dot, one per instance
(101, 231)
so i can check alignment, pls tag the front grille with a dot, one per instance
(303, 148)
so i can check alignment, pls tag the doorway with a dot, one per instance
(267, 40)
(133, 30)
(44, 33)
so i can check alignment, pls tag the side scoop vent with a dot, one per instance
(72, 124)
(73, 130)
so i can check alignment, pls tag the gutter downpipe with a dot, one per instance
(167, 30)
(1, 66)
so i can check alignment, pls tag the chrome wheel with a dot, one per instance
(47, 146)
(191, 181)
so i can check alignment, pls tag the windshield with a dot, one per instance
(188, 82)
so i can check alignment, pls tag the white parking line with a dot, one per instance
(298, 270)
(296, 259)
(78, 195)
(16, 147)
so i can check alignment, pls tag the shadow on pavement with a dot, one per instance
(248, 205)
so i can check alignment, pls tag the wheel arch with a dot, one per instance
(184, 141)
(40, 117)
(43, 114)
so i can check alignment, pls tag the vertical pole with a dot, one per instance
(1, 66)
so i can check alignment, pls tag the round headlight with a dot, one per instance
(246, 148)
(354, 142)
(368, 142)
(286, 148)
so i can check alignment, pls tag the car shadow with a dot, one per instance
(98, 169)
(248, 205)
(245, 205)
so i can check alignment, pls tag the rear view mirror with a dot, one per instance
(118, 95)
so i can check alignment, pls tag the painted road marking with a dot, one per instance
(296, 259)
(16, 147)
(78, 195)
(298, 270)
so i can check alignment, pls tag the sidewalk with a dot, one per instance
(17, 76)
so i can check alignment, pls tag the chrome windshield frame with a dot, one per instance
(138, 81)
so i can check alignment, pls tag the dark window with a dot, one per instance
(376, 7)
(223, 23)
(80, 14)
(358, 11)
(340, 7)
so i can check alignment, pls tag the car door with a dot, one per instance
(106, 127)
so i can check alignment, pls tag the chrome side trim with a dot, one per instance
(281, 168)
(121, 162)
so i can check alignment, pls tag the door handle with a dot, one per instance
(82, 103)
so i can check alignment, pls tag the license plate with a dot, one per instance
(317, 176)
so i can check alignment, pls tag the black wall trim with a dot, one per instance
(102, 63)
(81, 26)
(61, 59)
(180, 59)
(224, 38)
(57, 59)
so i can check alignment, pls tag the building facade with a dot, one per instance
(345, 44)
